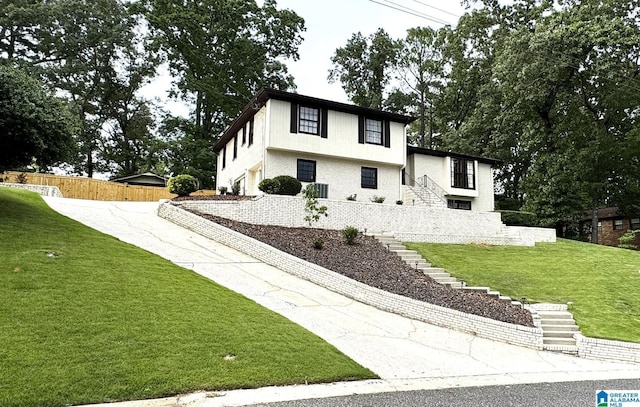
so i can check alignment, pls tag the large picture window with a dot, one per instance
(309, 120)
(462, 173)
(306, 170)
(369, 178)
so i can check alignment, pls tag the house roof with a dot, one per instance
(265, 94)
(603, 213)
(437, 153)
(146, 178)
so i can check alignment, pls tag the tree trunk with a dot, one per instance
(594, 226)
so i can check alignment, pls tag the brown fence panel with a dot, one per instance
(95, 189)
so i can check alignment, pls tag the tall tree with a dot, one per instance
(35, 126)
(363, 67)
(221, 53)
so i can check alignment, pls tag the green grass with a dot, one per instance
(602, 282)
(86, 318)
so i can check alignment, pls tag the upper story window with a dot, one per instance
(462, 173)
(374, 131)
(224, 156)
(308, 120)
(251, 131)
(235, 146)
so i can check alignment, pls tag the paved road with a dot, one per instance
(406, 354)
(570, 394)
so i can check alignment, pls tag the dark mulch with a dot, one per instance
(369, 262)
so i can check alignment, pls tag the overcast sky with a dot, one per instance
(329, 25)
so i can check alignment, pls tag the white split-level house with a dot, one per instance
(346, 150)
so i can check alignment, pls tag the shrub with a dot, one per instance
(628, 240)
(235, 188)
(182, 184)
(288, 185)
(518, 218)
(352, 197)
(223, 190)
(350, 234)
(377, 199)
(269, 186)
(21, 178)
(399, 202)
(318, 243)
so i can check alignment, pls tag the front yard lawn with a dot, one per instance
(603, 283)
(86, 318)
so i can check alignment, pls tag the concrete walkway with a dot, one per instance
(406, 354)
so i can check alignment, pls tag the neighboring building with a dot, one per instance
(146, 179)
(346, 150)
(611, 226)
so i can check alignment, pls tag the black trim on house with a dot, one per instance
(265, 94)
(436, 153)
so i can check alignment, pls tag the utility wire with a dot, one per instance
(404, 9)
(436, 8)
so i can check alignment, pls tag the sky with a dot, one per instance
(329, 25)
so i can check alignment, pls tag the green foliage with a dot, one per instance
(119, 313)
(377, 199)
(628, 240)
(350, 233)
(223, 190)
(518, 218)
(352, 197)
(183, 184)
(235, 188)
(318, 243)
(269, 186)
(311, 207)
(34, 124)
(363, 67)
(288, 185)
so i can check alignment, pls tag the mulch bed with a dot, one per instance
(369, 262)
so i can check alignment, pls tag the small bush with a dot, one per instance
(21, 178)
(628, 240)
(288, 185)
(269, 186)
(235, 188)
(377, 199)
(223, 190)
(352, 197)
(318, 243)
(350, 234)
(182, 185)
(518, 218)
(399, 202)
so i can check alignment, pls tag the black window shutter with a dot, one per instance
(361, 129)
(294, 117)
(387, 133)
(323, 123)
(251, 131)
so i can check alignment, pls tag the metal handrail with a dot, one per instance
(433, 186)
(426, 185)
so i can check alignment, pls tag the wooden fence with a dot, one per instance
(95, 189)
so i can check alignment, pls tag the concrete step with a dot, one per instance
(557, 334)
(555, 314)
(557, 327)
(453, 284)
(483, 290)
(568, 349)
(559, 341)
(438, 276)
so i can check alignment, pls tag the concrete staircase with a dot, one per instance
(421, 196)
(558, 327)
(557, 324)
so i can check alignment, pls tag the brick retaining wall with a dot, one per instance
(433, 314)
(41, 189)
(406, 223)
(605, 349)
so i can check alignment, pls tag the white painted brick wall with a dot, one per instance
(40, 189)
(604, 349)
(406, 223)
(433, 314)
